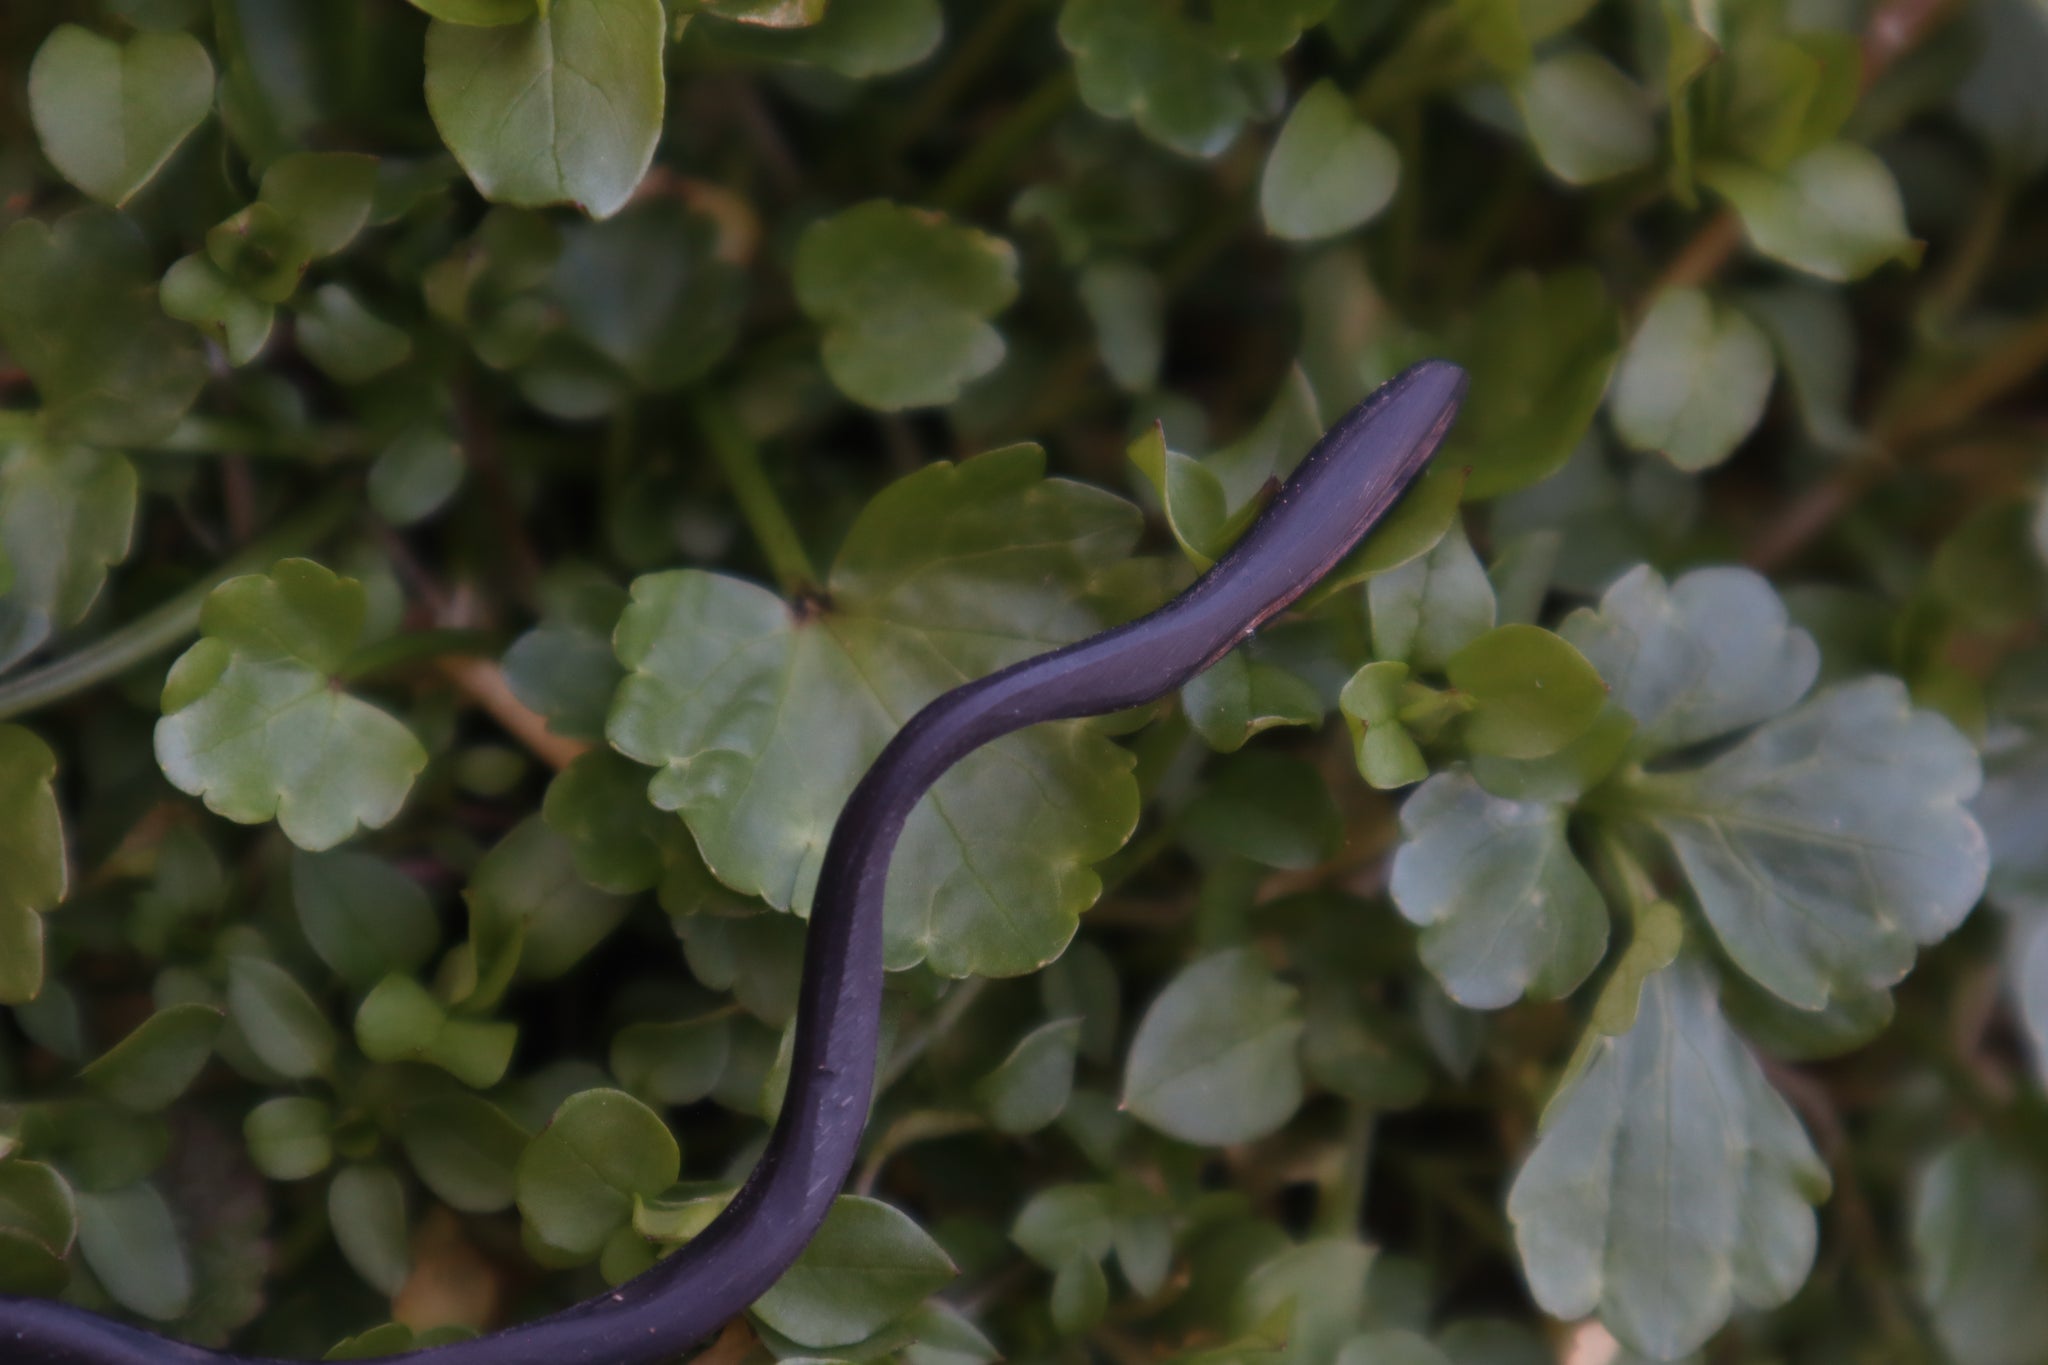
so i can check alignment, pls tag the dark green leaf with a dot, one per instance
(1213, 1060)
(154, 1064)
(868, 1266)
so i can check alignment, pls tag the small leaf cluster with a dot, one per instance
(480, 480)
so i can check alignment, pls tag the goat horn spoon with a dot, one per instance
(1340, 489)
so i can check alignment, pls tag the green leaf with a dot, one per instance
(78, 312)
(465, 1149)
(868, 1266)
(2002, 97)
(366, 1209)
(129, 1240)
(1323, 1282)
(290, 1137)
(1080, 1296)
(647, 291)
(1213, 1060)
(1589, 121)
(67, 513)
(1006, 836)
(1030, 1089)
(1540, 350)
(260, 251)
(1506, 909)
(363, 916)
(347, 341)
(1329, 170)
(401, 1021)
(1062, 1223)
(198, 291)
(564, 667)
(32, 852)
(904, 296)
(1125, 302)
(577, 1181)
(1671, 1184)
(38, 1224)
(874, 38)
(1710, 654)
(1693, 382)
(1830, 843)
(1834, 213)
(154, 1064)
(482, 13)
(1241, 695)
(1978, 1215)
(322, 198)
(287, 1030)
(110, 114)
(1143, 61)
(1532, 693)
(253, 721)
(1266, 28)
(562, 108)
(1426, 610)
(416, 475)
(526, 893)
(1266, 807)
(1387, 754)
(672, 1063)
(1791, 92)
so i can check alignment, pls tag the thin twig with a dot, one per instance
(483, 682)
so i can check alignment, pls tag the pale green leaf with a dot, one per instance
(1329, 171)
(110, 114)
(1214, 1060)
(1694, 380)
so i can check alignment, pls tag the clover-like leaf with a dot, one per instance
(869, 1265)
(1505, 907)
(1149, 63)
(254, 722)
(1589, 121)
(1834, 212)
(1712, 653)
(561, 108)
(78, 312)
(66, 515)
(1693, 381)
(904, 296)
(1982, 1272)
(110, 114)
(1540, 349)
(1831, 843)
(32, 854)
(577, 1181)
(1214, 1059)
(1329, 170)
(1671, 1184)
(760, 715)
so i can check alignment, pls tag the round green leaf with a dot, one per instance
(110, 114)
(577, 1181)
(562, 108)
(1214, 1057)
(904, 296)
(1329, 170)
(465, 1149)
(415, 475)
(290, 1137)
(1693, 381)
(1589, 121)
(868, 1266)
(481, 13)
(322, 198)
(280, 1021)
(672, 1063)
(1532, 693)
(254, 725)
(1030, 1089)
(1978, 1215)
(346, 340)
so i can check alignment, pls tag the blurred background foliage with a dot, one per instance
(480, 478)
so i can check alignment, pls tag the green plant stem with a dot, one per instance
(986, 41)
(174, 621)
(943, 1021)
(740, 459)
(995, 154)
(922, 1125)
(1433, 55)
(1342, 1210)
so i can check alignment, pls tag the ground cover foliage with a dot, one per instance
(480, 478)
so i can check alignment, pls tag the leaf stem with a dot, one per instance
(943, 1021)
(740, 459)
(989, 39)
(169, 624)
(995, 153)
